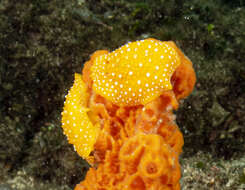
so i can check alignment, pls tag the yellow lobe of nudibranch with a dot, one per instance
(135, 73)
(75, 121)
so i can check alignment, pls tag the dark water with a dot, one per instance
(43, 43)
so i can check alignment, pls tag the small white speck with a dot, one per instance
(120, 76)
(138, 81)
(147, 74)
(130, 73)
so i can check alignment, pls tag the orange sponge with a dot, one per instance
(119, 114)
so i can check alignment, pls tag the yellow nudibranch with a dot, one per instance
(75, 121)
(135, 73)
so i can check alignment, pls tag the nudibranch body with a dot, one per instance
(75, 121)
(135, 73)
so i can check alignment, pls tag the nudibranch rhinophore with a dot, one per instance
(135, 73)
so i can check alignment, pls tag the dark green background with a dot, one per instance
(44, 42)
